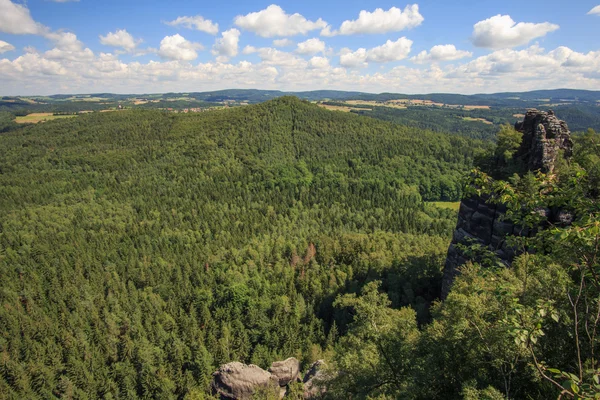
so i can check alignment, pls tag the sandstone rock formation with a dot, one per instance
(286, 371)
(239, 381)
(544, 137)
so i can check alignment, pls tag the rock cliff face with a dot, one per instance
(544, 137)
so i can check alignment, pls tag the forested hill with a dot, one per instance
(139, 249)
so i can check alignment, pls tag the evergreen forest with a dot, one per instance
(140, 250)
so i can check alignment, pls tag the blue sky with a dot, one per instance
(134, 46)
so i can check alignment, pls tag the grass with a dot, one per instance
(451, 205)
(40, 117)
(485, 121)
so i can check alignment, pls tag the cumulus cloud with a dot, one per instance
(283, 42)
(66, 41)
(197, 22)
(4, 47)
(389, 51)
(32, 64)
(441, 52)
(176, 47)
(311, 46)
(249, 49)
(16, 19)
(353, 59)
(227, 45)
(501, 31)
(273, 21)
(66, 47)
(318, 63)
(274, 57)
(379, 21)
(594, 11)
(121, 38)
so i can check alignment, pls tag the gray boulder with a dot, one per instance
(239, 381)
(285, 372)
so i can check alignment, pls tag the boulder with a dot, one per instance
(239, 381)
(285, 372)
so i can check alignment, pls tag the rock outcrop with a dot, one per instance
(237, 381)
(286, 371)
(544, 137)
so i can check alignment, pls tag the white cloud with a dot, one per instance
(249, 49)
(121, 38)
(176, 47)
(501, 31)
(66, 41)
(67, 47)
(16, 19)
(4, 47)
(197, 22)
(31, 64)
(71, 67)
(380, 21)
(318, 63)
(441, 52)
(283, 42)
(594, 11)
(389, 51)
(311, 46)
(82, 55)
(227, 45)
(274, 57)
(273, 21)
(356, 59)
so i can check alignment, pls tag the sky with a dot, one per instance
(146, 46)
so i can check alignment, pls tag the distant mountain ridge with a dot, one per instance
(493, 99)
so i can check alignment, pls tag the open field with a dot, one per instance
(403, 103)
(485, 121)
(476, 107)
(34, 118)
(451, 205)
(343, 108)
(375, 104)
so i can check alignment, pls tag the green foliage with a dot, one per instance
(375, 357)
(139, 250)
(529, 331)
(508, 143)
(7, 122)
